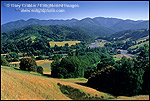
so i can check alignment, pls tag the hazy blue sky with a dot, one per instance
(134, 10)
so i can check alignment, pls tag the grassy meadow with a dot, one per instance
(52, 43)
(44, 63)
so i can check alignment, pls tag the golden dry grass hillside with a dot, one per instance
(52, 43)
(21, 85)
(16, 85)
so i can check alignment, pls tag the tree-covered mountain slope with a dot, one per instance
(130, 34)
(130, 40)
(37, 37)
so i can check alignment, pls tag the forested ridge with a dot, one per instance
(98, 26)
(37, 37)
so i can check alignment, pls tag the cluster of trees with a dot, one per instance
(69, 67)
(123, 77)
(29, 64)
(105, 60)
(85, 58)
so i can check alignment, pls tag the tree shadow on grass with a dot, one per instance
(86, 85)
(48, 75)
(16, 68)
(83, 84)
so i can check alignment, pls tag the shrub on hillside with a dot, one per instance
(28, 64)
(77, 94)
(4, 62)
(40, 69)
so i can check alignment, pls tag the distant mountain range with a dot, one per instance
(98, 26)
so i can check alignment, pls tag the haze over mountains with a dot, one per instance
(98, 26)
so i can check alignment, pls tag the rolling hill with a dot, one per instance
(21, 85)
(37, 37)
(131, 34)
(130, 40)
